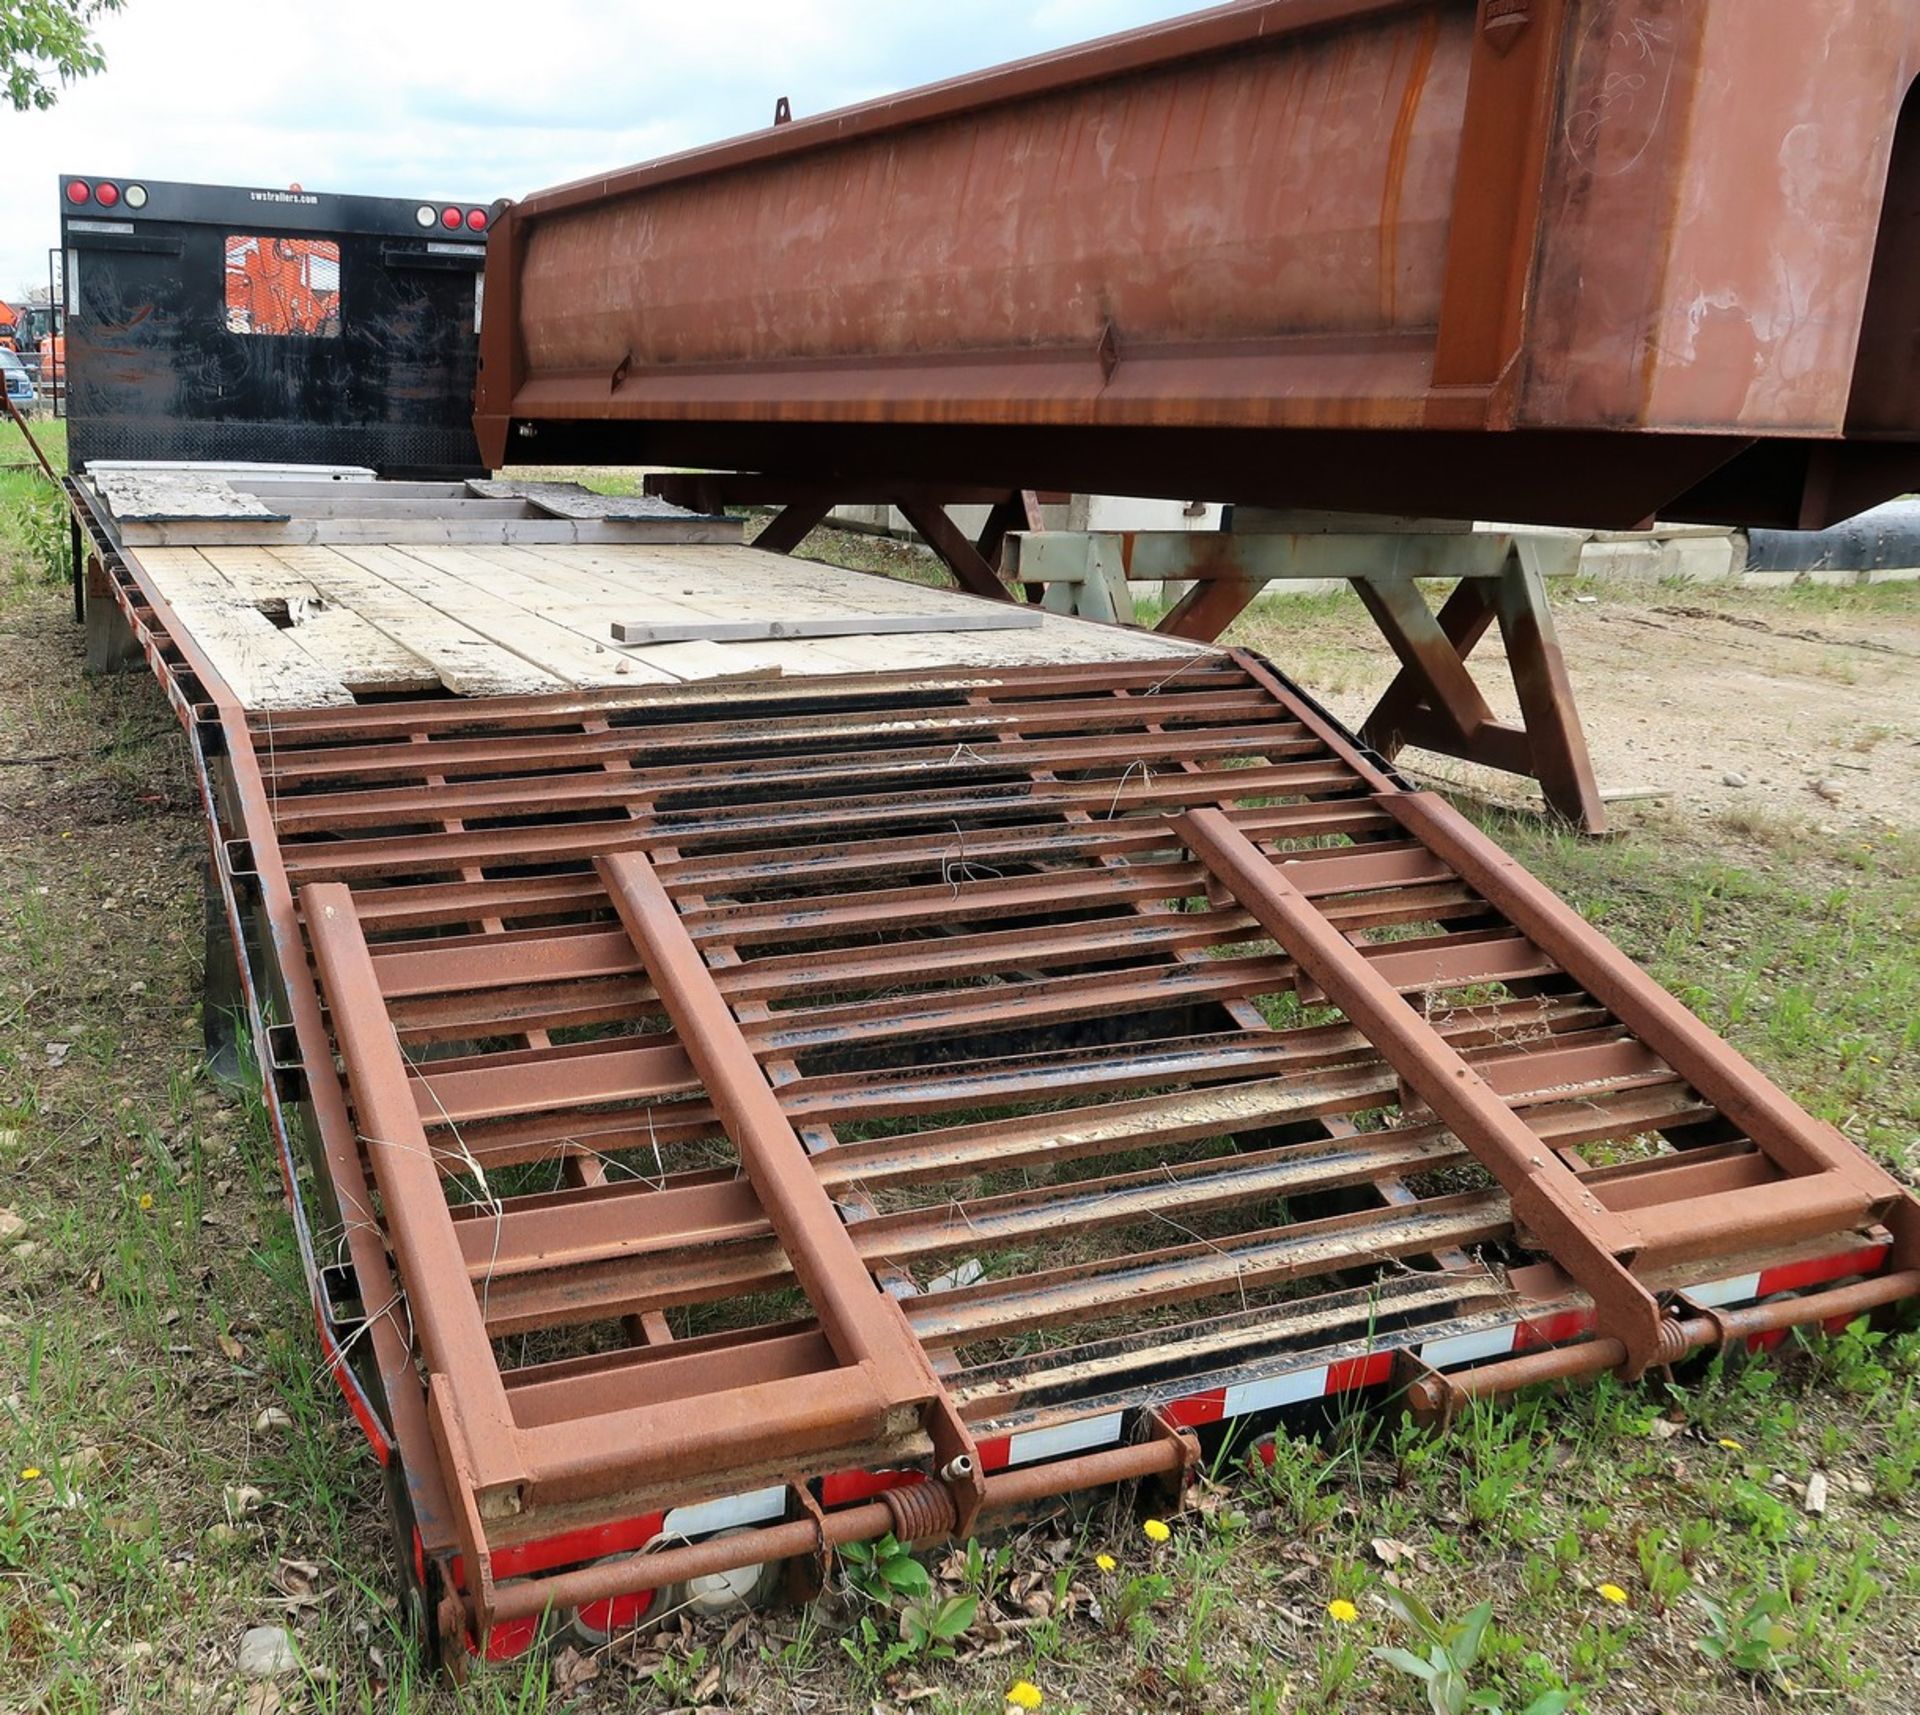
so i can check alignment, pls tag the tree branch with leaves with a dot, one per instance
(46, 44)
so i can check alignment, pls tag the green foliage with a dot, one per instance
(1752, 1635)
(883, 1570)
(1452, 1651)
(927, 1624)
(47, 43)
(33, 526)
(1663, 1571)
(931, 1627)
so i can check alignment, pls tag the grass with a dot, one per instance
(191, 1474)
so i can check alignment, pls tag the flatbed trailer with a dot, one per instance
(732, 1110)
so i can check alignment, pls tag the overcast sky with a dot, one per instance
(438, 98)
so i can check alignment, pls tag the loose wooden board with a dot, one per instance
(262, 665)
(571, 500)
(266, 531)
(849, 625)
(586, 608)
(568, 657)
(466, 662)
(156, 499)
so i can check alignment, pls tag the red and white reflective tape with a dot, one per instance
(1078, 1435)
(1529, 1334)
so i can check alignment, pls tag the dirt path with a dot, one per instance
(1794, 707)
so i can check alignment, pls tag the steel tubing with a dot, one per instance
(1596, 1356)
(1021, 1486)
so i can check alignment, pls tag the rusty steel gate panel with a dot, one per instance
(954, 1078)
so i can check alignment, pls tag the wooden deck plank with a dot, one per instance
(548, 645)
(748, 583)
(467, 662)
(572, 500)
(358, 653)
(402, 532)
(262, 665)
(590, 605)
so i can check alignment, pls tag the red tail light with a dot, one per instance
(450, 218)
(107, 195)
(477, 219)
(78, 191)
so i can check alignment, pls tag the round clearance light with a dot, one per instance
(107, 195)
(78, 190)
(477, 219)
(136, 196)
(425, 215)
(450, 218)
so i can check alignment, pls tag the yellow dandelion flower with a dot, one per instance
(29, 1473)
(1023, 1694)
(1614, 1594)
(146, 1199)
(1105, 1562)
(1343, 1611)
(1731, 1445)
(1156, 1530)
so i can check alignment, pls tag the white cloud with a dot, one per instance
(472, 101)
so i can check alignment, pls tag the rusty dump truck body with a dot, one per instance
(1562, 261)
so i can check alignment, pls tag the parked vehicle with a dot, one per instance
(20, 387)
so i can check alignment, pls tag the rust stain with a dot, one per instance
(1397, 159)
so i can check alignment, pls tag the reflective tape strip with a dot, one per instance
(1714, 1293)
(1270, 1392)
(727, 1513)
(1470, 1348)
(1790, 1276)
(1197, 1408)
(1062, 1438)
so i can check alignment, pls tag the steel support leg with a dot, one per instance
(1435, 704)
(792, 525)
(954, 551)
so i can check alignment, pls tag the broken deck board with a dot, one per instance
(262, 664)
(161, 499)
(571, 500)
(467, 662)
(310, 624)
(358, 653)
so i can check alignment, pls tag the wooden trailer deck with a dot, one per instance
(316, 594)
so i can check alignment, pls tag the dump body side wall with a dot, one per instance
(1301, 187)
(1712, 202)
